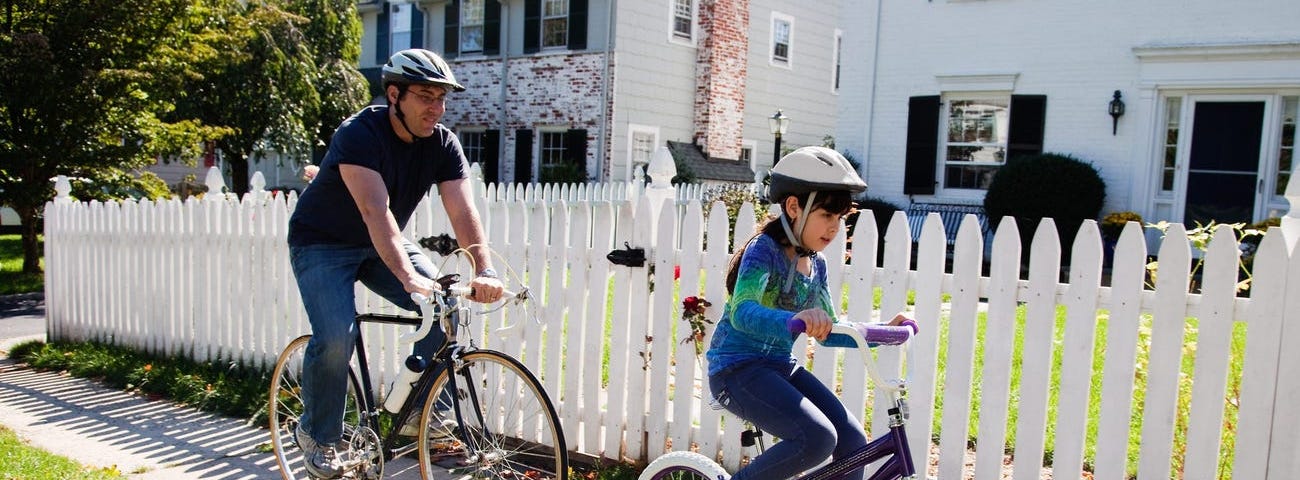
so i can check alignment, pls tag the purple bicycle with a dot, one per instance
(891, 447)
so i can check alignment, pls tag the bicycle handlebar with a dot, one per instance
(856, 333)
(430, 313)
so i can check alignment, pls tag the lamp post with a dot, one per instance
(778, 123)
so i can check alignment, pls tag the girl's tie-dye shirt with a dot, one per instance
(753, 325)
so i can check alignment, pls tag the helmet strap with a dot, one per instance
(401, 117)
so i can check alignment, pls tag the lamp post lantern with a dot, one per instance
(778, 124)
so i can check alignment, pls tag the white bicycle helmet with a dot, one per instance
(809, 170)
(421, 67)
(813, 169)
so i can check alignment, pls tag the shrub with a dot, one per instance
(1047, 185)
(734, 195)
(882, 210)
(1113, 223)
(564, 173)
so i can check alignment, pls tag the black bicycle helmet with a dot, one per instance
(420, 67)
(813, 169)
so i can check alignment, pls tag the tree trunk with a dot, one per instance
(238, 174)
(31, 246)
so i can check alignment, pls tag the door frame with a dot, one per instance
(1265, 174)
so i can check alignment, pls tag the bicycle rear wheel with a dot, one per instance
(683, 466)
(508, 429)
(285, 407)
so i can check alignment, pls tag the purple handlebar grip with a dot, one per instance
(795, 326)
(910, 323)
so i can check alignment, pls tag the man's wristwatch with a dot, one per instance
(488, 273)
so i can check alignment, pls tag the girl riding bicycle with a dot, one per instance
(779, 278)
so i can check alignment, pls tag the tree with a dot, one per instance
(83, 88)
(280, 69)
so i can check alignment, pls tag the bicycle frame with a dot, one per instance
(892, 444)
(442, 359)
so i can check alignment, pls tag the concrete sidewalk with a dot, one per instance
(145, 438)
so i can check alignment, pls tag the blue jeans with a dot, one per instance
(791, 404)
(327, 275)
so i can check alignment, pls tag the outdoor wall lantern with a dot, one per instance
(1116, 111)
(778, 123)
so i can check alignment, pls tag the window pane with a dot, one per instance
(682, 18)
(555, 8)
(1167, 183)
(471, 38)
(781, 39)
(472, 143)
(552, 152)
(555, 32)
(968, 176)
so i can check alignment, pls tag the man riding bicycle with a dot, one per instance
(347, 228)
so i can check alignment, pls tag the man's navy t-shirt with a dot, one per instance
(326, 212)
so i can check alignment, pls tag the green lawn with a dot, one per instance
(20, 461)
(12, 278)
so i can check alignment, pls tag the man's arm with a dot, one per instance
(459, 204)
(368, 191)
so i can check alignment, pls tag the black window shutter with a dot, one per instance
(575, 148)
(532, 26)
(523, 155)
(492, 28)
(577, 24)
(451, 30)
(491, 155)
(417, 27)
(381, 46)
(1025, 132)
(922, 145)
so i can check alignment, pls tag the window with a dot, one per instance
(1286, 147)
(976, 143)
(747, 148)
(683, 19)
(472, 144)
(1173, 111)
(782, 36)
(552, 149)
(643, 148)
(555, 23)
(399, 28)
(838, 54)
(471, 26)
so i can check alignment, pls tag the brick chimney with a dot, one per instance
(720, 70)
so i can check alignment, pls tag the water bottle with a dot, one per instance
(401, 387)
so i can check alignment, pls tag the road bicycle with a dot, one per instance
(892, 447)
(490, 418)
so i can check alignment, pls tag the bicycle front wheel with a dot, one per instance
(683, 466)
(508, 428)
(286, 407)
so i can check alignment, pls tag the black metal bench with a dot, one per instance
(950, 213)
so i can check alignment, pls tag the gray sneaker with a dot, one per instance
(321, 461)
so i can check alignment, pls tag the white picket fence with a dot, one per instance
(210, 279)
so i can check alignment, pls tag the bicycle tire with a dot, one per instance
(284, 407)
(522, 438)
(683, 466)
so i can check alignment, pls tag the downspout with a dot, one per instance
(505, 61)
(604, 93)
(871, 106)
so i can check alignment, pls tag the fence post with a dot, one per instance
(1291, 221)
(216, 185)
(661, 170)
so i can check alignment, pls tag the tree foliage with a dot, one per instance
(84, 87)
(282, 78)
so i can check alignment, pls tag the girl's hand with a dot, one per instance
(901, 319)
(817, 323)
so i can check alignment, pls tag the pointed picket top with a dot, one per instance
(1291, 222)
